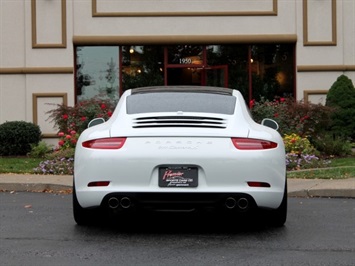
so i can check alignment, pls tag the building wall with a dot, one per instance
(37, 37)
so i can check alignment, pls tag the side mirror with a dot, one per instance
(96, 121)
(270, 123)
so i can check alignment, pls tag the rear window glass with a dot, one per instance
(185, 102)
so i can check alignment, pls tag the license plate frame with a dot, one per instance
(178, 176)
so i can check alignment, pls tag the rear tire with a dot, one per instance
(278, 217)
(82, 216)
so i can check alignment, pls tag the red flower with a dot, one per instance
(65, 116)
(68, 137)
(103, 106)
(73, 132)
(276, 115)
(61, 134)
(109, 113)
(251, 103)
(73, 141)
(83, 118)
(282, 100)
(61, 142)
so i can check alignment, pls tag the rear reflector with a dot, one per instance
(99, 184)
(107, 143)
(253, 144)
(258, 184)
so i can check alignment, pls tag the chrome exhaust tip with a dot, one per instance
(125, 203)
(113, 203)
(243, 204)
(230, 203)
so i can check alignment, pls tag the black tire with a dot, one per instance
(82, 216)
(277, 218)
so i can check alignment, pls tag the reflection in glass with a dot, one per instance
(142, 66)
(97, 72)
(272, 68)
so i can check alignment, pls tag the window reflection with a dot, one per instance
(97, 72)
(142, 66)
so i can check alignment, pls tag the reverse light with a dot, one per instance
(105, 144)
(253, 144)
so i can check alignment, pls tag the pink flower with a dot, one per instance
(282, 99)
(73, 132)
(68, 137)
(61, 134)
(61, 143)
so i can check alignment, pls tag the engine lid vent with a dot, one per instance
(179, 121)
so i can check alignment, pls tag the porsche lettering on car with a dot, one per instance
(180, 148)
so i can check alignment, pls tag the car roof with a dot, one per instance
(183, 89)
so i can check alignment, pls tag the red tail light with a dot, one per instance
(253, 144)
(105, 144)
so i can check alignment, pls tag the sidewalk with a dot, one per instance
(342, 188)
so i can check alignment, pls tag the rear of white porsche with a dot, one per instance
(183, 160)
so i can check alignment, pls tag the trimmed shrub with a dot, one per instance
(16, 137)
(341, 96)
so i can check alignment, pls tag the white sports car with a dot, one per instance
(174, 148)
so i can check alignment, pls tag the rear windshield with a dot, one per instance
(185, 102)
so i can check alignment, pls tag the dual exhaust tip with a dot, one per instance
(241, 203)
(124, 203)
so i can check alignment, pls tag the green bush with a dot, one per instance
(341, 96)
(40, 150)
(303, 119)
(328, 145)
(16, 137)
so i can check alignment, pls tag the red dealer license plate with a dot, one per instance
(178, 176)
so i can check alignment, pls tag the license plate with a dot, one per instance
(178, 176)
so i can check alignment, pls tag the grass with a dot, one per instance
(18, 165)
(340, 168)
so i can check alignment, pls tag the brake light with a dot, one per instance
(253, 144)
(105, 144)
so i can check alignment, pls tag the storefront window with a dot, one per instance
(235, 58)
(97, 74)
(259, 71)
(272, 70)
(142, 66)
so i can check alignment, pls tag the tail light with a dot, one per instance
(253, 144)
(105, 144)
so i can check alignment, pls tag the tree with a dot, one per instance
(341, 96)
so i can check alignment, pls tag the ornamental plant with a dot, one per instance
(295, 144)
(304, 119)
(341, 96)
(72, 121)
(17, 137)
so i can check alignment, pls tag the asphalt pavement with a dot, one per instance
(338, 188)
